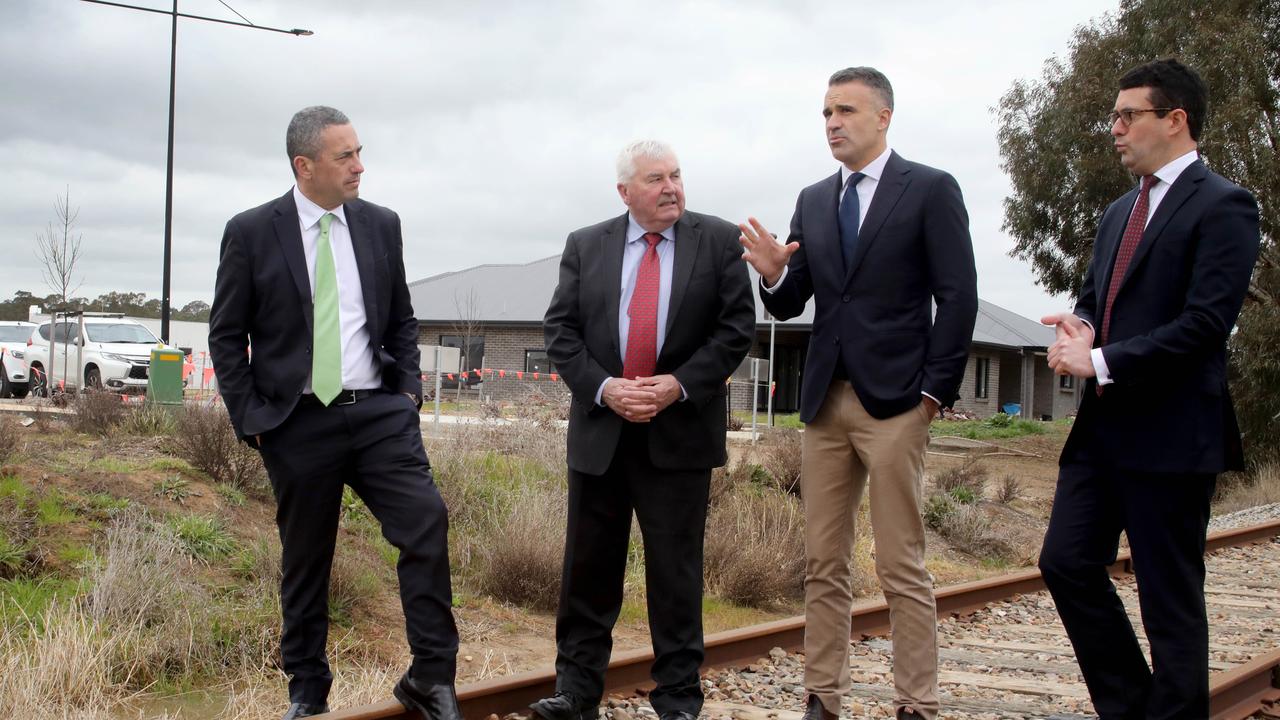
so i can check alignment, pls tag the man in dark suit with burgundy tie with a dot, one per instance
(652, 313)
(315, 346)
(876, 246)
(1171, 265)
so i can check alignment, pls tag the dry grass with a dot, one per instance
(97, 412)
(755, 549)
(522, 559)
(968, 479)
(206, 439)
(781, 459)
(10, 439)
(1010, 488)
(1261, 487)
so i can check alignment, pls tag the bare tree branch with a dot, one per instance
(58, 249)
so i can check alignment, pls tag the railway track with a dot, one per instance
(1003, 653)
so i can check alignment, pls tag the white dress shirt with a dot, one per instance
(360, 370)
(632, 253)
(1165, 177)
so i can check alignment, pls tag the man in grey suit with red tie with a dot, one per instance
(652, 313)
(876, 245)
(315, 346)
(1170, 269)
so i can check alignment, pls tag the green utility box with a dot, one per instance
(164, 377)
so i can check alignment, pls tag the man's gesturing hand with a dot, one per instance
(763, 251)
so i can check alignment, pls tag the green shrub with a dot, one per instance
(97, 412)
(754, 548)
(969, 476)
(205, 438)
(204, 537)
(938, 510)
(522, 556)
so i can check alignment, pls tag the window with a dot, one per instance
(472, 355)
(1066, 382)
(537, 361)
(982, 367)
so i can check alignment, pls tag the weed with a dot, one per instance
(13, 557)
(996, 427)
(520, 561)
(231, 495)
(963, 495)
(970, 475)
(782, 460)
(148, 420)
(113, 465)
(1260, 487)
(938, 511)
(1010, 488)
(10, 439)
(206, 439)
(754, 550)
(203, 536)
(97, 412)
(52, 510)
(176, 488)
(351, 585)
(104, 504)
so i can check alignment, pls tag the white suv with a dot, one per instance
(14, 335)
(114, 354)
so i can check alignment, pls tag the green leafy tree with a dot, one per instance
(1056, 146)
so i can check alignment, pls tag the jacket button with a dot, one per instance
(847, 298)
(835, 341)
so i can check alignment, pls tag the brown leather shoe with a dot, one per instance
(817, 711)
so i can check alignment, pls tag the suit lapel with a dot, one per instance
(611, 243)
(362, 244)
(688, 236)
(1182, 188)
(289, 234)
(893, 182)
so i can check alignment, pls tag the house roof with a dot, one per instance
(520, 293)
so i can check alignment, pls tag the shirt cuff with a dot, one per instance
(781, 277)
(934, 399)
(1100, 367)
(684, 394)
(600, 392)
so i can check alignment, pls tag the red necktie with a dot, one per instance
(642, 332)
(1128, 244)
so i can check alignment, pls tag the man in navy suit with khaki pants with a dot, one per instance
(315, 346)
(875, 245)
(1170, 268)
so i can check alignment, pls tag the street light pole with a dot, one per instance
(168, 175)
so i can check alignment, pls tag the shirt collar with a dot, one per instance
(1171, 171)
(309, 213)
(873, 170)
(635, 232)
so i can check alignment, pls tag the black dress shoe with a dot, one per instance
(301, 710)
(565, 706)
(817, 711)
(434, 702)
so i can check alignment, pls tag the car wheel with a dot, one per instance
(19, 391)
(93, 378)
(39, 387)
(6, 389)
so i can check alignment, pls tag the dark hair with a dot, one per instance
(303, 136)
(1173, 85)
(868, 76)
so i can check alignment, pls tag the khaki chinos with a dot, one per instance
(843, 447)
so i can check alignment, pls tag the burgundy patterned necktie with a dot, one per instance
(642, 332)
(1128, 244)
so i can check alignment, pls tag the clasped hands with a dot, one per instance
(1071, 352)
(639, 399)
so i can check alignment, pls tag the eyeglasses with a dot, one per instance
(1126, 115)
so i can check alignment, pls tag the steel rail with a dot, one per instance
(1240, 690)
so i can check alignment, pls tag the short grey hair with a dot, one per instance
(650, 149)
(868, 76)
(303, 136)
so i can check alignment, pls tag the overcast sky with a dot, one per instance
(492, 128)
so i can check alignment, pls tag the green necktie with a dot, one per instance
(326, 351)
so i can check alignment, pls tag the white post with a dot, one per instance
(755, 384)
(772, 331)
(439, 373)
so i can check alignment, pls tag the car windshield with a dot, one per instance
(14, 333)
(119, 333)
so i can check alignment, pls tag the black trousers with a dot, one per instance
(671, 507)
(375, 446)
(1165, 518)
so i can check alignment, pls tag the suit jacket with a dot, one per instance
(876, 320)
(262, 298)
(710, 328)
(1168, 409)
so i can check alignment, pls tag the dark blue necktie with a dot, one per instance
(849, 219)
